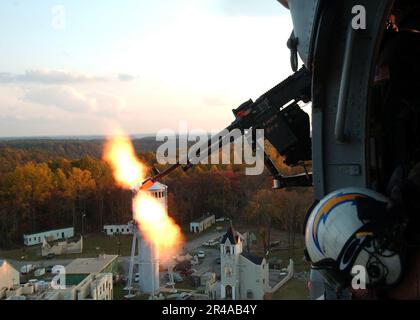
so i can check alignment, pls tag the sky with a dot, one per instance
(75, 67)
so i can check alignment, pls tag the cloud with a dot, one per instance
(63, 97)
(108, 105)
(126, 77)
(58, 77)
(71, 100)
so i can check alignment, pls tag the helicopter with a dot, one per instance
(361, 72)
(363, 57)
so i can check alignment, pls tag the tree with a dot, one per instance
(76, 186)
(29, 186)
(296, 202)
(263, 209)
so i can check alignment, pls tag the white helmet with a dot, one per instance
(350, 227)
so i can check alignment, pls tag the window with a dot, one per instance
(227, 250)
(112, 230)
(228, 271)
(62, 234)
(118, 230)
(249, 294)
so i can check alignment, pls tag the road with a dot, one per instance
(207, 264)
(196, 243)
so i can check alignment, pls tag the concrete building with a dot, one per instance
(103, 264)
(51, 235)
(9, 275)
(68, 246)
(96, 287)
(203, 223)
(243, 276)
(113, 229)
(85, 279)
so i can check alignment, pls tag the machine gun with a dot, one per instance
(286, 126)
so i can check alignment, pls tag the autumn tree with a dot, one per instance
(29, 186)
(75, 187)
(263, 210)
(291, 219)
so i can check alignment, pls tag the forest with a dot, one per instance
(48, 184)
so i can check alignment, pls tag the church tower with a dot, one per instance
(230, 251)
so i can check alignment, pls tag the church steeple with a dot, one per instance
(232, 235)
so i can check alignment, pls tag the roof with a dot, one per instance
(89, 265)
(232, 235)
(48, 231)
(75, 279)
(10, 263)
(253, 259)
(203, 218)
(157, 186)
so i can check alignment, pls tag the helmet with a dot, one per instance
(353, 227)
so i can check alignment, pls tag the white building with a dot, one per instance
(62, 247)
(202, 224)
(113, 229)
(85, 279)
(51, 235)
(9, 275)
(243, 276)
(96, 287)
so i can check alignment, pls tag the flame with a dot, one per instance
(119, 153)
(151, 216)
(156, 225)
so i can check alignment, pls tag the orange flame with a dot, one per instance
(119, 153)
(149, 212)
(156, 225)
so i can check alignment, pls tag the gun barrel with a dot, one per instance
(247, 115)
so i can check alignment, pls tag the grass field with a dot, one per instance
(294, 289)
(93, 245)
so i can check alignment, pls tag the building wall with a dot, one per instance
(62, 248)
(229, 263)
(209, 221)
(9, 276)
(196, 227)
(102, 287)
(254, 279)
(112, 229)
(51, 235)
(200, 226)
